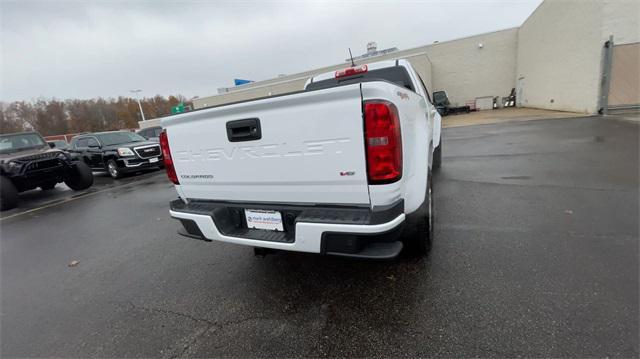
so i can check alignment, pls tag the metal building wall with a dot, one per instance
(560, 51)
(476, 66)
(460, 67)
(624, 87)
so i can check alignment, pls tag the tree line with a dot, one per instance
(55, 117)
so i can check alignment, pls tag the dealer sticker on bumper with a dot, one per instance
(262, 219)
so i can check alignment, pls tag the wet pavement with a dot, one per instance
(37, 198)
(535, 254)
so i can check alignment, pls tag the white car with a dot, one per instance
(340, 168)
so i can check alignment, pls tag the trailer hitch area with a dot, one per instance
(262, 252)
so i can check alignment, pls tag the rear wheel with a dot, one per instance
(112, 168)
(419, 225)
(437, 156)
(80, 177)
(8, 194)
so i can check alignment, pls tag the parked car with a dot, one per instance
(151, 133)
(27, 162)
(117, 152)
(342, 168)
(59, 144)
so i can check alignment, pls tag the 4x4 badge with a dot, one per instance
(403, 96)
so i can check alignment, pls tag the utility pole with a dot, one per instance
(139, 104)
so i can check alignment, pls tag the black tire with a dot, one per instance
(418, 230)
(113, 170)
(48, 186)
(8, 194)
(80, 177)
(437, 156)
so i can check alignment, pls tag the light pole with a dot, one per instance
(139, 104)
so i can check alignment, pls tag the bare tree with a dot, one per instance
(25, 112)
(9, 122)
(53, 117)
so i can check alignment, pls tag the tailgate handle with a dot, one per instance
(244, 130)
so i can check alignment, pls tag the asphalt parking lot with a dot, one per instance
(535, 254)
(36, 199)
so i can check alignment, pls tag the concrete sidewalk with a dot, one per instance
(504, 115)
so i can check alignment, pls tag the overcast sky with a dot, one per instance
(86, 49)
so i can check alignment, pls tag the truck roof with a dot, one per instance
(394, 71)
(371, 66)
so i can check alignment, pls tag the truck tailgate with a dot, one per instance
(310, 150)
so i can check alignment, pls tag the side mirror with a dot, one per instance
(52, 145)
(94, 146)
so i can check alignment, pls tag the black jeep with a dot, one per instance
(28, 162)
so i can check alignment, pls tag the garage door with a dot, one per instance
(624, 88)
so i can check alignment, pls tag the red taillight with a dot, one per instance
(351, 71)
(168, 161)
(383, 142)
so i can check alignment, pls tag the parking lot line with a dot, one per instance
(70, 199)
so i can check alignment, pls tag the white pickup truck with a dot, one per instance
(340, 168)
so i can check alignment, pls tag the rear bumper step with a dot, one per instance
(344, 231)
(375, 250)
(380, 246)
